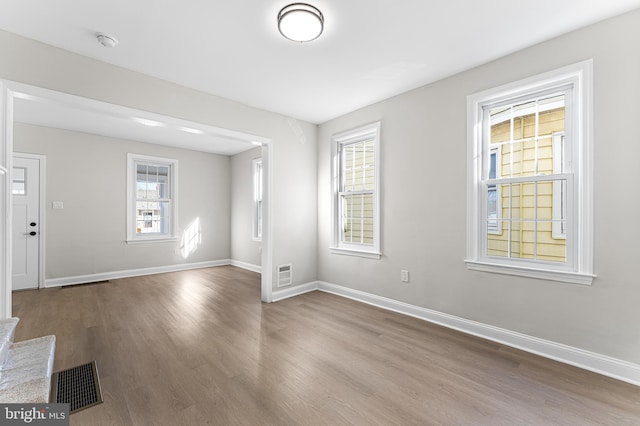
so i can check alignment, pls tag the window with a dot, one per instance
(494, 199)
(356, 200)
(257, 199)
(19, 182)
(530, 188)
(151, 198)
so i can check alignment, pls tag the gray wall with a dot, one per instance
(294, 232)
(243, 247)
(423, 201)
(88, 173)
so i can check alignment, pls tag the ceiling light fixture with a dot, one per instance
(107, 40)
(300, 22)
(191, 130)
(145, 122)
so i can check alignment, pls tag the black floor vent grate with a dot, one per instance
(78, 386)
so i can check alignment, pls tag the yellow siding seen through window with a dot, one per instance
(357, 187)
(526, 210)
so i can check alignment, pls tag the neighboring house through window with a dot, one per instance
(530, 204)
(151, 198)
(356, 202)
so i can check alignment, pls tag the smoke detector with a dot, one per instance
(107, 40)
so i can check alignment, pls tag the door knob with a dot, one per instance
(33, 233)
(32, 224)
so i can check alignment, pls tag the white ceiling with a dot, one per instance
(369, 51)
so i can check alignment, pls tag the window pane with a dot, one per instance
(18, 183)
(141, 190)
(518, 249)
(152, 173)
(163, 182)
(526, 134)
(161, 190)
(141, 169)
(498, 245)
(357, 219)
(492, 209)
(258, 181)
(152, 217)
(528, 213)
(152, 182)
(357, 166)
(511, 200)
(492, 165)
(549, 248)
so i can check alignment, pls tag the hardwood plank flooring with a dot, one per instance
(198, 347)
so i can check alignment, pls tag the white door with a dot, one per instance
(25, 190)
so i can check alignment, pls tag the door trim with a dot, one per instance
(6, 157)
(42, 162)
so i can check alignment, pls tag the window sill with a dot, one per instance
(357, 253)
(152, 240)
(544, 274)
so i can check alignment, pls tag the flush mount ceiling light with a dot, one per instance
(107, 40)
(300, 22)
(146, 122)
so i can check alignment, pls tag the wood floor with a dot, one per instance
(198, 347)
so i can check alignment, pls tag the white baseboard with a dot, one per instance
(612, 367)
(247, 266)
(291, 291)
(90, 278)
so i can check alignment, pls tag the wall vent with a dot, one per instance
(284, 275)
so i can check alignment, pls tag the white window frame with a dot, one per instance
(559, 209)
(338, 140)
(256, 167)
(132, 162)
(579, 266)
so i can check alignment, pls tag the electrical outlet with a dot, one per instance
(404, 275)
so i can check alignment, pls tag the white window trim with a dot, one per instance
(580, 76)
(132, 237)
(339, 247)
(256, 217)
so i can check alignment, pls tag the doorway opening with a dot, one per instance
(45, 106)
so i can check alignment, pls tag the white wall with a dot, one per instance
(423, 201)
(88, 174)
(293, 232)
(243, 247)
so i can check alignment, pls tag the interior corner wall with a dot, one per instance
(424, 201)
(243, 247)
(88, 174)
(292, 148)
